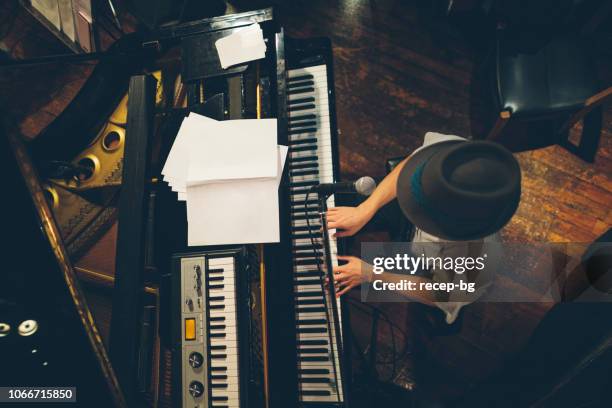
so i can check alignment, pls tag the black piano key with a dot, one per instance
(306, 123)
(300, 100)
(299, 131)
(303, 141)
(299, 190)
(313, 358)
(298, 91)
(217, 368)
(302, 148)
(218, 385)
(300, 78)
(301, 256)
(304, 159)
(309, 294)
(216, 335)
(314, 380)
(313, 351)
(315, 393)
(217, 318)
(313, 371)
(308, 262)
(312, 329)
(303, 166)
(216, 298)
(218, 356)
(215, 278)
(313, 301)
(217, 327)
(310, 342)
(306, 235)
(219, 398)
(307, 282)
(298, 108)
(305, 228)
(308, 247)
(216, 270)
(218, 347)
(300, 84)
(218, 377)
(216, 286)
(216, 307)
(311, 172)
(312, 273)
(311, 309)
(308, 183)
(310, 322)
(298, 118)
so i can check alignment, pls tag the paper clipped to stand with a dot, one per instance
(244, 45)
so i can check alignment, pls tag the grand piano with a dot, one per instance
(247, 325)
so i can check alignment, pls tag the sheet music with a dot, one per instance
(177, 164)
(234, 149)
(236, 211)
(228, 172)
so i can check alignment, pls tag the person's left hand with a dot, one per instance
(351, 274)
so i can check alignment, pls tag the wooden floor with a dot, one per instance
(401, 69)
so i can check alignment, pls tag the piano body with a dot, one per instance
(281, 340)
(301, 332)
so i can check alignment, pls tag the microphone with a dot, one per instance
(364, 186)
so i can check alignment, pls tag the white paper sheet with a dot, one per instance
(233, 149)
(241, 46)
(236, 211)
(177, 164)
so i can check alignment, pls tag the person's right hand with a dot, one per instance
(347, 220)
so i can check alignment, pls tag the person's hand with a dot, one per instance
(348, 220)
(353, 273)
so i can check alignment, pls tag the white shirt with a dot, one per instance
(444, 248)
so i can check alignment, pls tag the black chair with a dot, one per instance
(542, 72)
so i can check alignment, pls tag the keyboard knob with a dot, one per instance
(196, 389)
(196, 359)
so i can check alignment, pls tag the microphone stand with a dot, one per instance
(322, 198)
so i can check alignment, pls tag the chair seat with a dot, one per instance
(544, 80)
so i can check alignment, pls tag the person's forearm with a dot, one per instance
(385, 192)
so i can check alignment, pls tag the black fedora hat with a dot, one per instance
(459, 189)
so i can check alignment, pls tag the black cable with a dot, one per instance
(320, 270)
(389, 322)
(392, 326)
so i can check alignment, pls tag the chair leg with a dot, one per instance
(500, 123)
(589, 140)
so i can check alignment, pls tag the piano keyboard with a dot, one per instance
(310, 163)
(209, 336)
